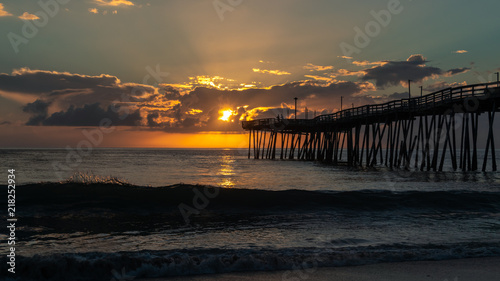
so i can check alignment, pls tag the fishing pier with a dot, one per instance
(414, 133)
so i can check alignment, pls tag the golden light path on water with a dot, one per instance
(226, 171)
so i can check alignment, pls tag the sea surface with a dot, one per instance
(118, 214)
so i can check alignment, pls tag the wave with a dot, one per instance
(122, 196)
(150, 264)
(69, 207)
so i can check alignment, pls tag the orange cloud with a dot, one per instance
(460, 52)
(272, 72)
(194, 111)
(3, 12)
(28, 16)
(115, 3)
(93, 10)
(217, 82)
(368, 63)
(312, 67)
(320, 78)
(345, 72)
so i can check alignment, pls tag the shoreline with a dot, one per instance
(477, 269)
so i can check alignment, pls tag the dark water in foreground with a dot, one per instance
(259, 215)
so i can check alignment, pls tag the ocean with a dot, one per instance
(120, 214)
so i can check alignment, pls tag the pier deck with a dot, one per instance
(419, 132)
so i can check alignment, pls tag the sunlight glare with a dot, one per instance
(226, 114)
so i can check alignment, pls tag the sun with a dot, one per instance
(226, 114)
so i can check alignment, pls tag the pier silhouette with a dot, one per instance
(414, 133)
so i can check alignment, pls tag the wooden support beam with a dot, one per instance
(420, 139)
(274, 145)
(249, 142)
(437, 142)
(490, 141)
(454, 142)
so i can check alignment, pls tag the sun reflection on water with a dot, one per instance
(226, 171)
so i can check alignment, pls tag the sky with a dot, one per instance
(185, 73)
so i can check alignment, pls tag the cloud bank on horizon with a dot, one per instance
(52, 98)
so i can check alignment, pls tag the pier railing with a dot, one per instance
(429, 101)
(274, 122)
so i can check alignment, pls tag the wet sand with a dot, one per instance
(477, 269)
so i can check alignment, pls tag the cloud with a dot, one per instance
(345, 72)
(93, 10)
(199, 110)
(393, 73)
(456, 71)
(398, 96)
(3, 12)
(68, 99)
(320, 78)
(28, 16)
(218, 82)
(272, 72)
(260, 103)
(114, 3)
(92, 115)
(460, 52)
(345, 57)
(312, 67)
(440, 85)
(88, 115)
(368, 63)
(39, 111)
(51, 91)
(30, 81)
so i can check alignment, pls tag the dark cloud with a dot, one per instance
(455, 71)
(398, 96)
(63, 89)
(151, 119)
(38, 110)
(396, 72)
(91, 115)
(85, 100)
(198, 110)
(37, 81)
(276, 95)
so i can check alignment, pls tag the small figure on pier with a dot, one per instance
(278, 118)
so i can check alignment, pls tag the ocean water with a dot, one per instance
(158, 212)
